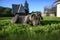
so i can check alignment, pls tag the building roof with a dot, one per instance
(58, 2)
(21, 9)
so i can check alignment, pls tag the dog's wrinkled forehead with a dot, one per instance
(37, 14)
(32, 15)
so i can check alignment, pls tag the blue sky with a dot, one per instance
(34, 5)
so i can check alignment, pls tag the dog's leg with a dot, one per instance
(26, 21)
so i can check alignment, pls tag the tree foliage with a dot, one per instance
(5, 11)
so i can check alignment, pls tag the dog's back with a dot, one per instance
(21, 19)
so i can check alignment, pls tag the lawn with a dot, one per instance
(49, 29)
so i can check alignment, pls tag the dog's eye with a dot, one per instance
(36, 18)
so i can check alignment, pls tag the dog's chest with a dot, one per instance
(21, 19)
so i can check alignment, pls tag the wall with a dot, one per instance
(58, 10)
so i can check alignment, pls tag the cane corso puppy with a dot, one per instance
(33, 18)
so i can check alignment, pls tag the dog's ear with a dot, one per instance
(41, 16)
(33, 15)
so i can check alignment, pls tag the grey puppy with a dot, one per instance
(34, 18)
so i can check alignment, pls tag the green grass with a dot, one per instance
(49, 29)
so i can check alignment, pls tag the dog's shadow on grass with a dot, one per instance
(45, 22)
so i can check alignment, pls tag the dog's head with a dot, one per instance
(39, 16)
(34, 19)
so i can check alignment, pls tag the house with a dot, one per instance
(49, 11)
(20, 9)
(58, 7)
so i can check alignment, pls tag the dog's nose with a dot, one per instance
(38, 23)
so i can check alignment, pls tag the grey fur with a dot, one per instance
(39, 17)
(14, 19)
(34, 18)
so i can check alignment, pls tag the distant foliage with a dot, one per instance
(5, 11)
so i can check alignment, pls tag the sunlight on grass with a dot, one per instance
(49, 29)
